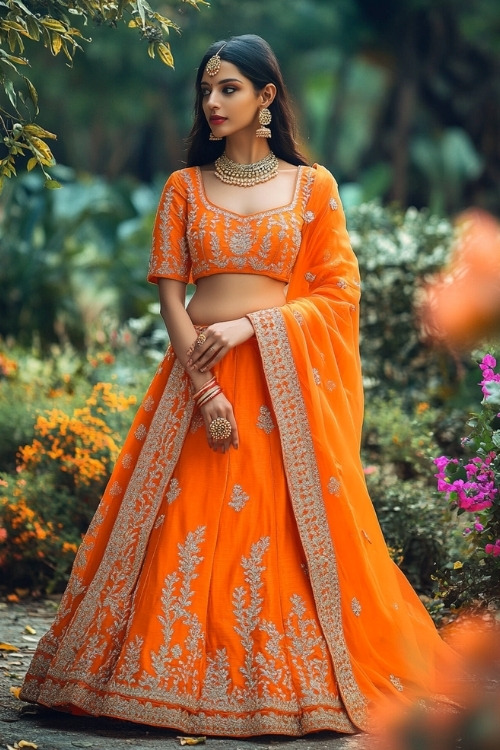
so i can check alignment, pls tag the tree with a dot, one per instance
(51, 23)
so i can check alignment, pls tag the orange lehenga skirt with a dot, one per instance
(221, 594)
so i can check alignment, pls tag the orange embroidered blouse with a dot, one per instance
(193, 238)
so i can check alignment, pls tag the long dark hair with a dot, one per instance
(255, 60)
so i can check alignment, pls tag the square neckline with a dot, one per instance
(269, 211)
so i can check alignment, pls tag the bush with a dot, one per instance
(397, 448)
(46, 506)
(471, 485)
(397, 251)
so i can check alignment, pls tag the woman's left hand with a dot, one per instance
(219, 338)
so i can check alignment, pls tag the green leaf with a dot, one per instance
(52, 184)
(11, 92)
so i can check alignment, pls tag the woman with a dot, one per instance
(235, 580)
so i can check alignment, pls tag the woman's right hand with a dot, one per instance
(220, 407)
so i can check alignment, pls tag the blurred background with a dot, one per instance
(400, 98)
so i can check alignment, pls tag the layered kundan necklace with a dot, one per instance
(246, 175)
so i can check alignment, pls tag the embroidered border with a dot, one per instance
(307, 499)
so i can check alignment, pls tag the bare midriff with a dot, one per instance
(229, 296)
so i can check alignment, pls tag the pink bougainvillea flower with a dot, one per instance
(493, 549)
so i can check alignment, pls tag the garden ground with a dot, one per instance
(56, 731)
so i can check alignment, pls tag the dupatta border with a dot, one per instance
(307, 497)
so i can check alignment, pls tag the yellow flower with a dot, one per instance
(457, 565)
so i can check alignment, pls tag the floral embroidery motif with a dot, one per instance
(330, 385)
(356, 606)
(115, 489)
(239, 498)
(196, 422)
(396, 605)
(140, 432)
(174, 491)
(265, 420)
(333, 486)
(342, 284)
(298, 317)
(170, 256)
(333, 204)
(266, 242)
(148, 403)
(316, 376)
(127, 460)
(159, 521)
(396, 682)
(308, 217)
(309, 277)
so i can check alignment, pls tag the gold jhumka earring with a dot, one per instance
(213, 137)
(265, 118)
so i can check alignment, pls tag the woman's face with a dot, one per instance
(230, 102)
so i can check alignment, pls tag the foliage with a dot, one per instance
(397, 446)
(51, 23)
(397, 251)
(47, 504)
(73, 257)
(471, 484)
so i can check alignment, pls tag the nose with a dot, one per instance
(212, 101)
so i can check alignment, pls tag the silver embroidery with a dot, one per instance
(239, 498)
(127, 460)
(115, 489)
(140, 432)
(196, 422)
(298, 317)
(265, 420)
(333, 204)
(316, 376)
(333, 486)
(159, 521)
(308, 217)
(330, 385)
(309, 276)
(342, 284)
(356, 606)
(174, 490)
(396, 682)
(148, 403)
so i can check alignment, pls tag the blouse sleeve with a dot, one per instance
(170, 253)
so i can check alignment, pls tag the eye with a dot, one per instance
(205, 92)
(229, 90)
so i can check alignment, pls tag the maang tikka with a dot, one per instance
(265, 118)
(213, 65)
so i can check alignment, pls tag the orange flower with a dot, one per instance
(462, 305)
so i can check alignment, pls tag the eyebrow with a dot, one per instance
(224, 80)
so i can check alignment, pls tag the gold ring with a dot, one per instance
(201, 339)
(220, 428)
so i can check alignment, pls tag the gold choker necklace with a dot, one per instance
(246, 175)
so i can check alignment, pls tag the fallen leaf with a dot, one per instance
(8, 647)
(30, 638)
(192, 740)
(15, 691)
(28, 629)
(25, 743)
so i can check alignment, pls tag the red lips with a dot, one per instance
(217, 120)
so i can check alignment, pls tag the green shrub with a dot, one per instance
(397, 251)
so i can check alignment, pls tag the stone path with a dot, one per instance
(56, 731)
